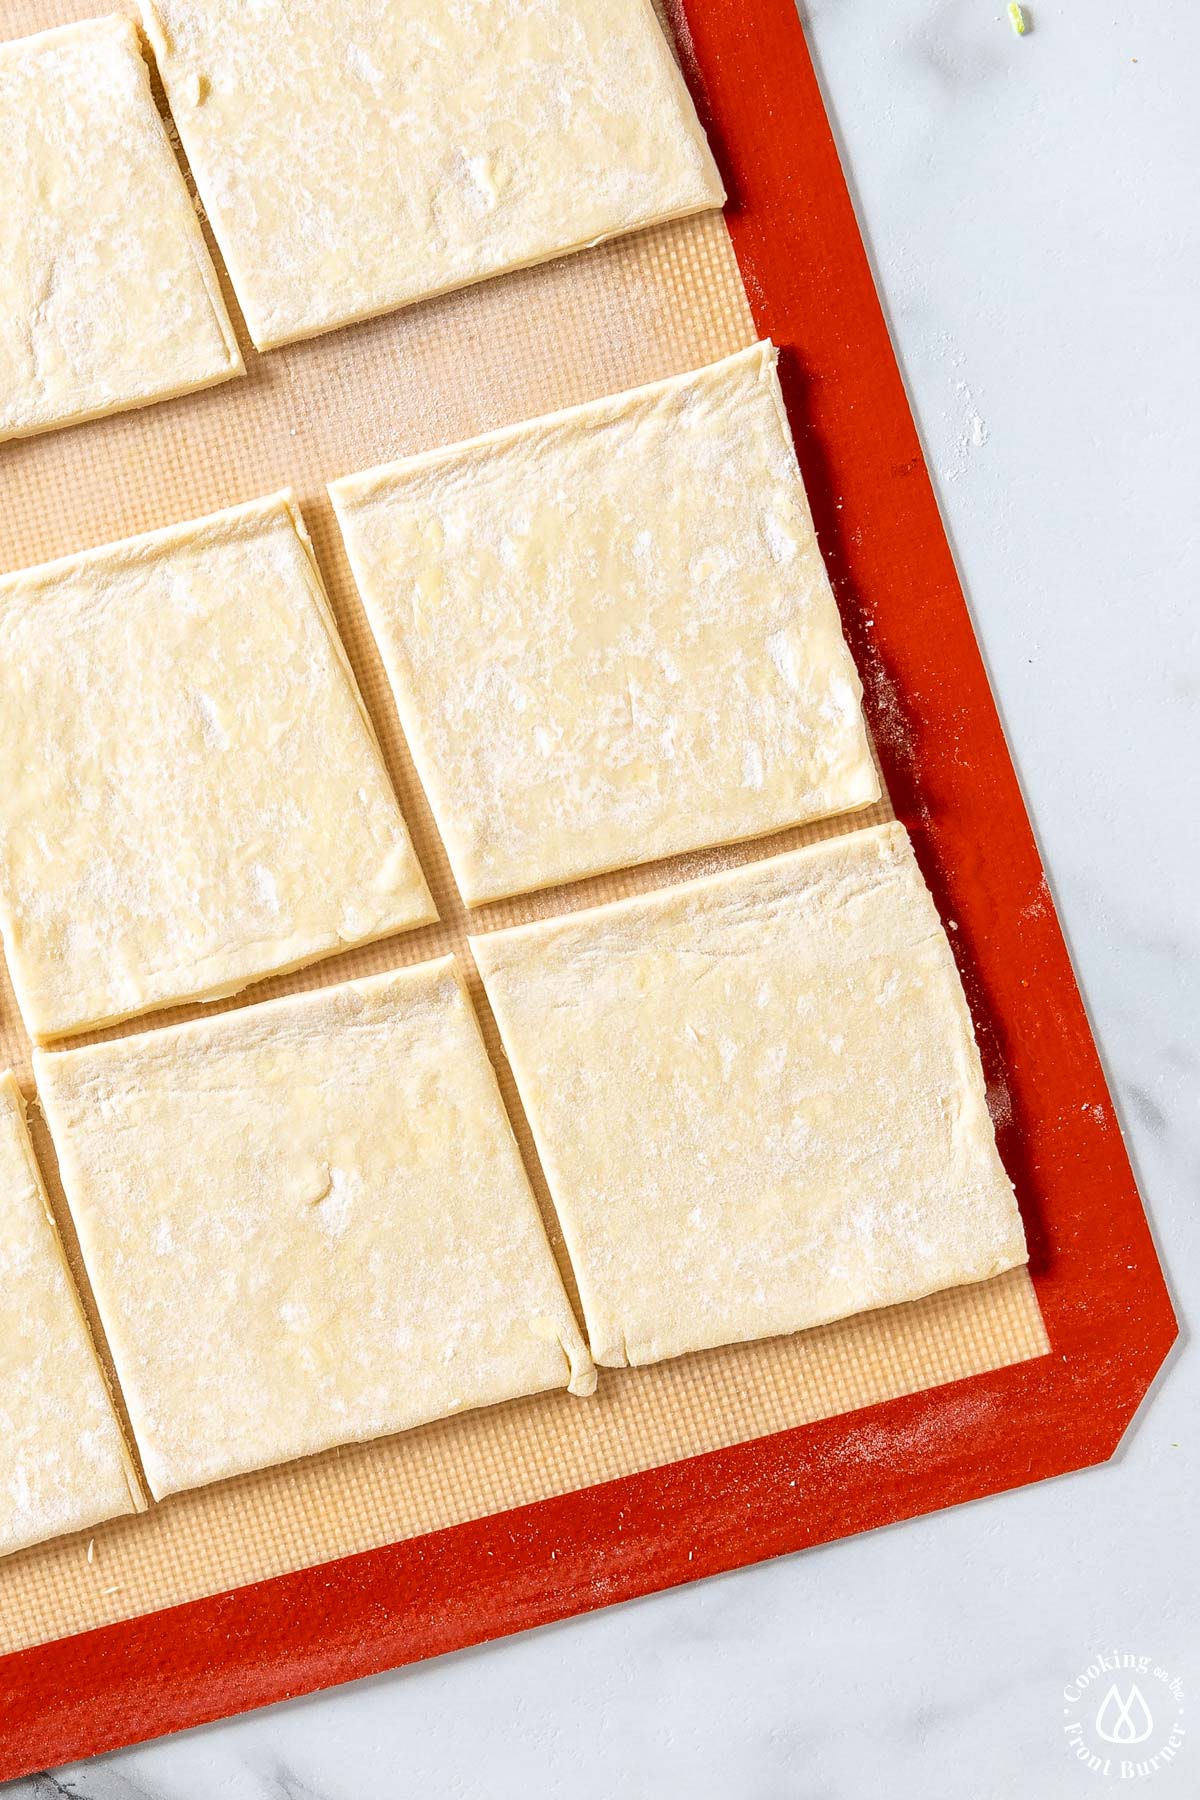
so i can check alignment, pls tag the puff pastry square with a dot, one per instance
(757, 1099)
(610, 633)
(193, 795)
(63, 1462)
(355, 155)
(108, 298)
(307, 1223)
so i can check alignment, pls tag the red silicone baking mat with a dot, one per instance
(1101, 1294)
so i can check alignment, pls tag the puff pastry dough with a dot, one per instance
(757, 1099)
(356, 155)
(108, 298)
(610, 633)
(193, 795)
(307, 1223)
(63, 1462)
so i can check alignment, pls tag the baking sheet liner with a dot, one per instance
(656, 304)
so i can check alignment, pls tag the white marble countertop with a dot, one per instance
(1031, 208)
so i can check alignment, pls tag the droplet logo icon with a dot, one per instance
(1124, 1718)
(1119, 1737)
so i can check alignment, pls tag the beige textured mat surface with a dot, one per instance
(662, 302)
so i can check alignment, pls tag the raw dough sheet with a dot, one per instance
(655, 304)
(108, 297)
(610, 633)
(355, 157)
(63, 1462)
(194, 794)
(757, 1099)
(349, 1249)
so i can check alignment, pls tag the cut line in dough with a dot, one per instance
(63, 1461)
(757, 1099)
(610, 633)
(348, 1245)
(194, 796)
(108, 297)
(354, 159)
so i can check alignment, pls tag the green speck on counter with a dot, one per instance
(1017, 19)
